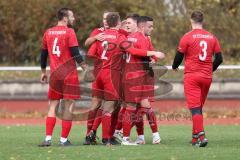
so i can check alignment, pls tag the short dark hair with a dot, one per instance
(133, 16)
(197, 16)
(112, 19)
(63, 12)
(143, 19)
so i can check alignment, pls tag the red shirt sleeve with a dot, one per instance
(92, 50)
(151, 48)
(137, 52)
(217, 47)
(44, 41)
(125, 45)
(123, 32)
(150, 44)
(183, 44)
(72, 41)
(96, 31)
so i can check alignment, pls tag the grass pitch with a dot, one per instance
(20, 143)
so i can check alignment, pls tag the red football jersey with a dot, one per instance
(96, 31)
(135, 80)
(198, 47)
(108, 51)
(58, 40)
(100, 30)
(122, 31)
(93, 48)
(139, 41)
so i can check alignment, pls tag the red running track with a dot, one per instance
(162, 106)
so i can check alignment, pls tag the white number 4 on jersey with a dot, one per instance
(55, 49)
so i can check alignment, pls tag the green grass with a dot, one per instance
(20, 143)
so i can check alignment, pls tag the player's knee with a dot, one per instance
(131, 106)
(51, 113)
(195, 111)
(108, 106)
(96, 100)
(145, 103)
(117, 108)
(96, 105)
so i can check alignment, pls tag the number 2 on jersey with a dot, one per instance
(105, 48)
(203, 45)
(55, 49)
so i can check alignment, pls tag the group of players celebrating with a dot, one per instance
(123, 79)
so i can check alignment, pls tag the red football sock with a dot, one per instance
(90, 121)
(106, 124)
(50, 123)
(120, 119)
(128, 121)
(114, 120)
(152, 120)
(198, 124)
(139, 123)
(97, 120)
(66, 127)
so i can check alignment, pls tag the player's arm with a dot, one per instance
(92, 51)
(217, 60)
(155, 55)
(153, 59)
(177, 60)
(182, 48)
(145, 53)
(91, 39)
(217, 55)
(74, 49)
(43, 61)
(77, 56)
(128, 46)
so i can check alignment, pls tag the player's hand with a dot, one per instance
(44, 78)
(88, 75)
(84, 66)
(153, 61)
(159, 55)
(100, 37)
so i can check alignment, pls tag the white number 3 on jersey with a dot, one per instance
(55, 49)
(203, 55)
